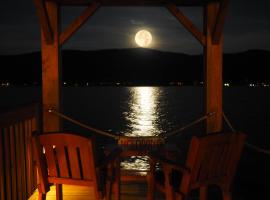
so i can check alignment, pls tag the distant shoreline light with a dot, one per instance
(5, 84)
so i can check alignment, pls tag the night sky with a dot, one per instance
(247, 27)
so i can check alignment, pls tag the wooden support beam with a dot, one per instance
(220, 21)
(186, 23)
(213, 71)
(77, 23)
(51, 71)
(159, 3)
(44, 20)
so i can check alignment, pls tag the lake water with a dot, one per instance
(144, 111)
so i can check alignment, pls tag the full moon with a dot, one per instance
(143, 38)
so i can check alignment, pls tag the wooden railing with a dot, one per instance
(17, 174)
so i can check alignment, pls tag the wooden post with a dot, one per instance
(51, 70)
(213, 70)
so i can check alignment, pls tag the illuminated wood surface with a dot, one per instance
(129, 191)
(213, 58)
(17, 174)
(51, 70)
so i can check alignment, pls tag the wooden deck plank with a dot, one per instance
(129, 191)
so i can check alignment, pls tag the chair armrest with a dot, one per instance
(168, 163)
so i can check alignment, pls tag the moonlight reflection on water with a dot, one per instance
(143, 116)
(142, 120)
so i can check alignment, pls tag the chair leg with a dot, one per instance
(116, 182)
(41, 196)
(116, 185)
(226, 195)
(109, 182)
(151, 181)
(108, 192)
(59, 191)
(150, 187)
(169, 193)
(203, 193)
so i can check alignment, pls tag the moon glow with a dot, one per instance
(143, 38)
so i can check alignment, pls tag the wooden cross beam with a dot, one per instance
(44, 20)
(187, 23)
(77, 23)
(220, 21)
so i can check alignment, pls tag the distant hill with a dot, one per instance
(138, 66)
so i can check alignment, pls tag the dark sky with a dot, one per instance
(247, 27)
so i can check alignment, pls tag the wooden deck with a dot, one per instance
(129, 191)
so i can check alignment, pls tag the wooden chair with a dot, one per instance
(65, 158)
(211, 160)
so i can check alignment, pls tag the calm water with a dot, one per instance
(146, 111)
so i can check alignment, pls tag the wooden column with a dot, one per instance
(51, 69)
(213, 54)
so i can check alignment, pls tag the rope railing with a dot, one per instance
(177, 131)
(124, 140)
(116, 137)
(74, 121)
(251, 146)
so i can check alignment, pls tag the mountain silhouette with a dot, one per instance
(136, 66)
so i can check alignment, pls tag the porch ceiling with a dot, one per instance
(135, 2)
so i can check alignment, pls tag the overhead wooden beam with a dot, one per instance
(51, 72)
(187, 23)
(44, 20)
(159, 3)
(213, 83)
(77, 23)
(220, 21)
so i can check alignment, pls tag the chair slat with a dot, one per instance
(87, 165)
(74, 163)
(62, 161)
(50, 157)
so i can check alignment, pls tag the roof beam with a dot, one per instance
(220, 21)
(133, 2)
(44, 20)
(78, 22)
(187, 23)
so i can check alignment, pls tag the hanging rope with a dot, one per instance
(251, 146)
(190, 124)
(157, 139)
(74, 121)
(52, 111)
(228, 123)
(258, 149)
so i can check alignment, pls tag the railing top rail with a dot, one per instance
(18, 114)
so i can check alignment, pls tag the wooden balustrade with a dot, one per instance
(17, 173)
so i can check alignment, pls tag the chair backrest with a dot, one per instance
(65, 158)
(212, 159)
